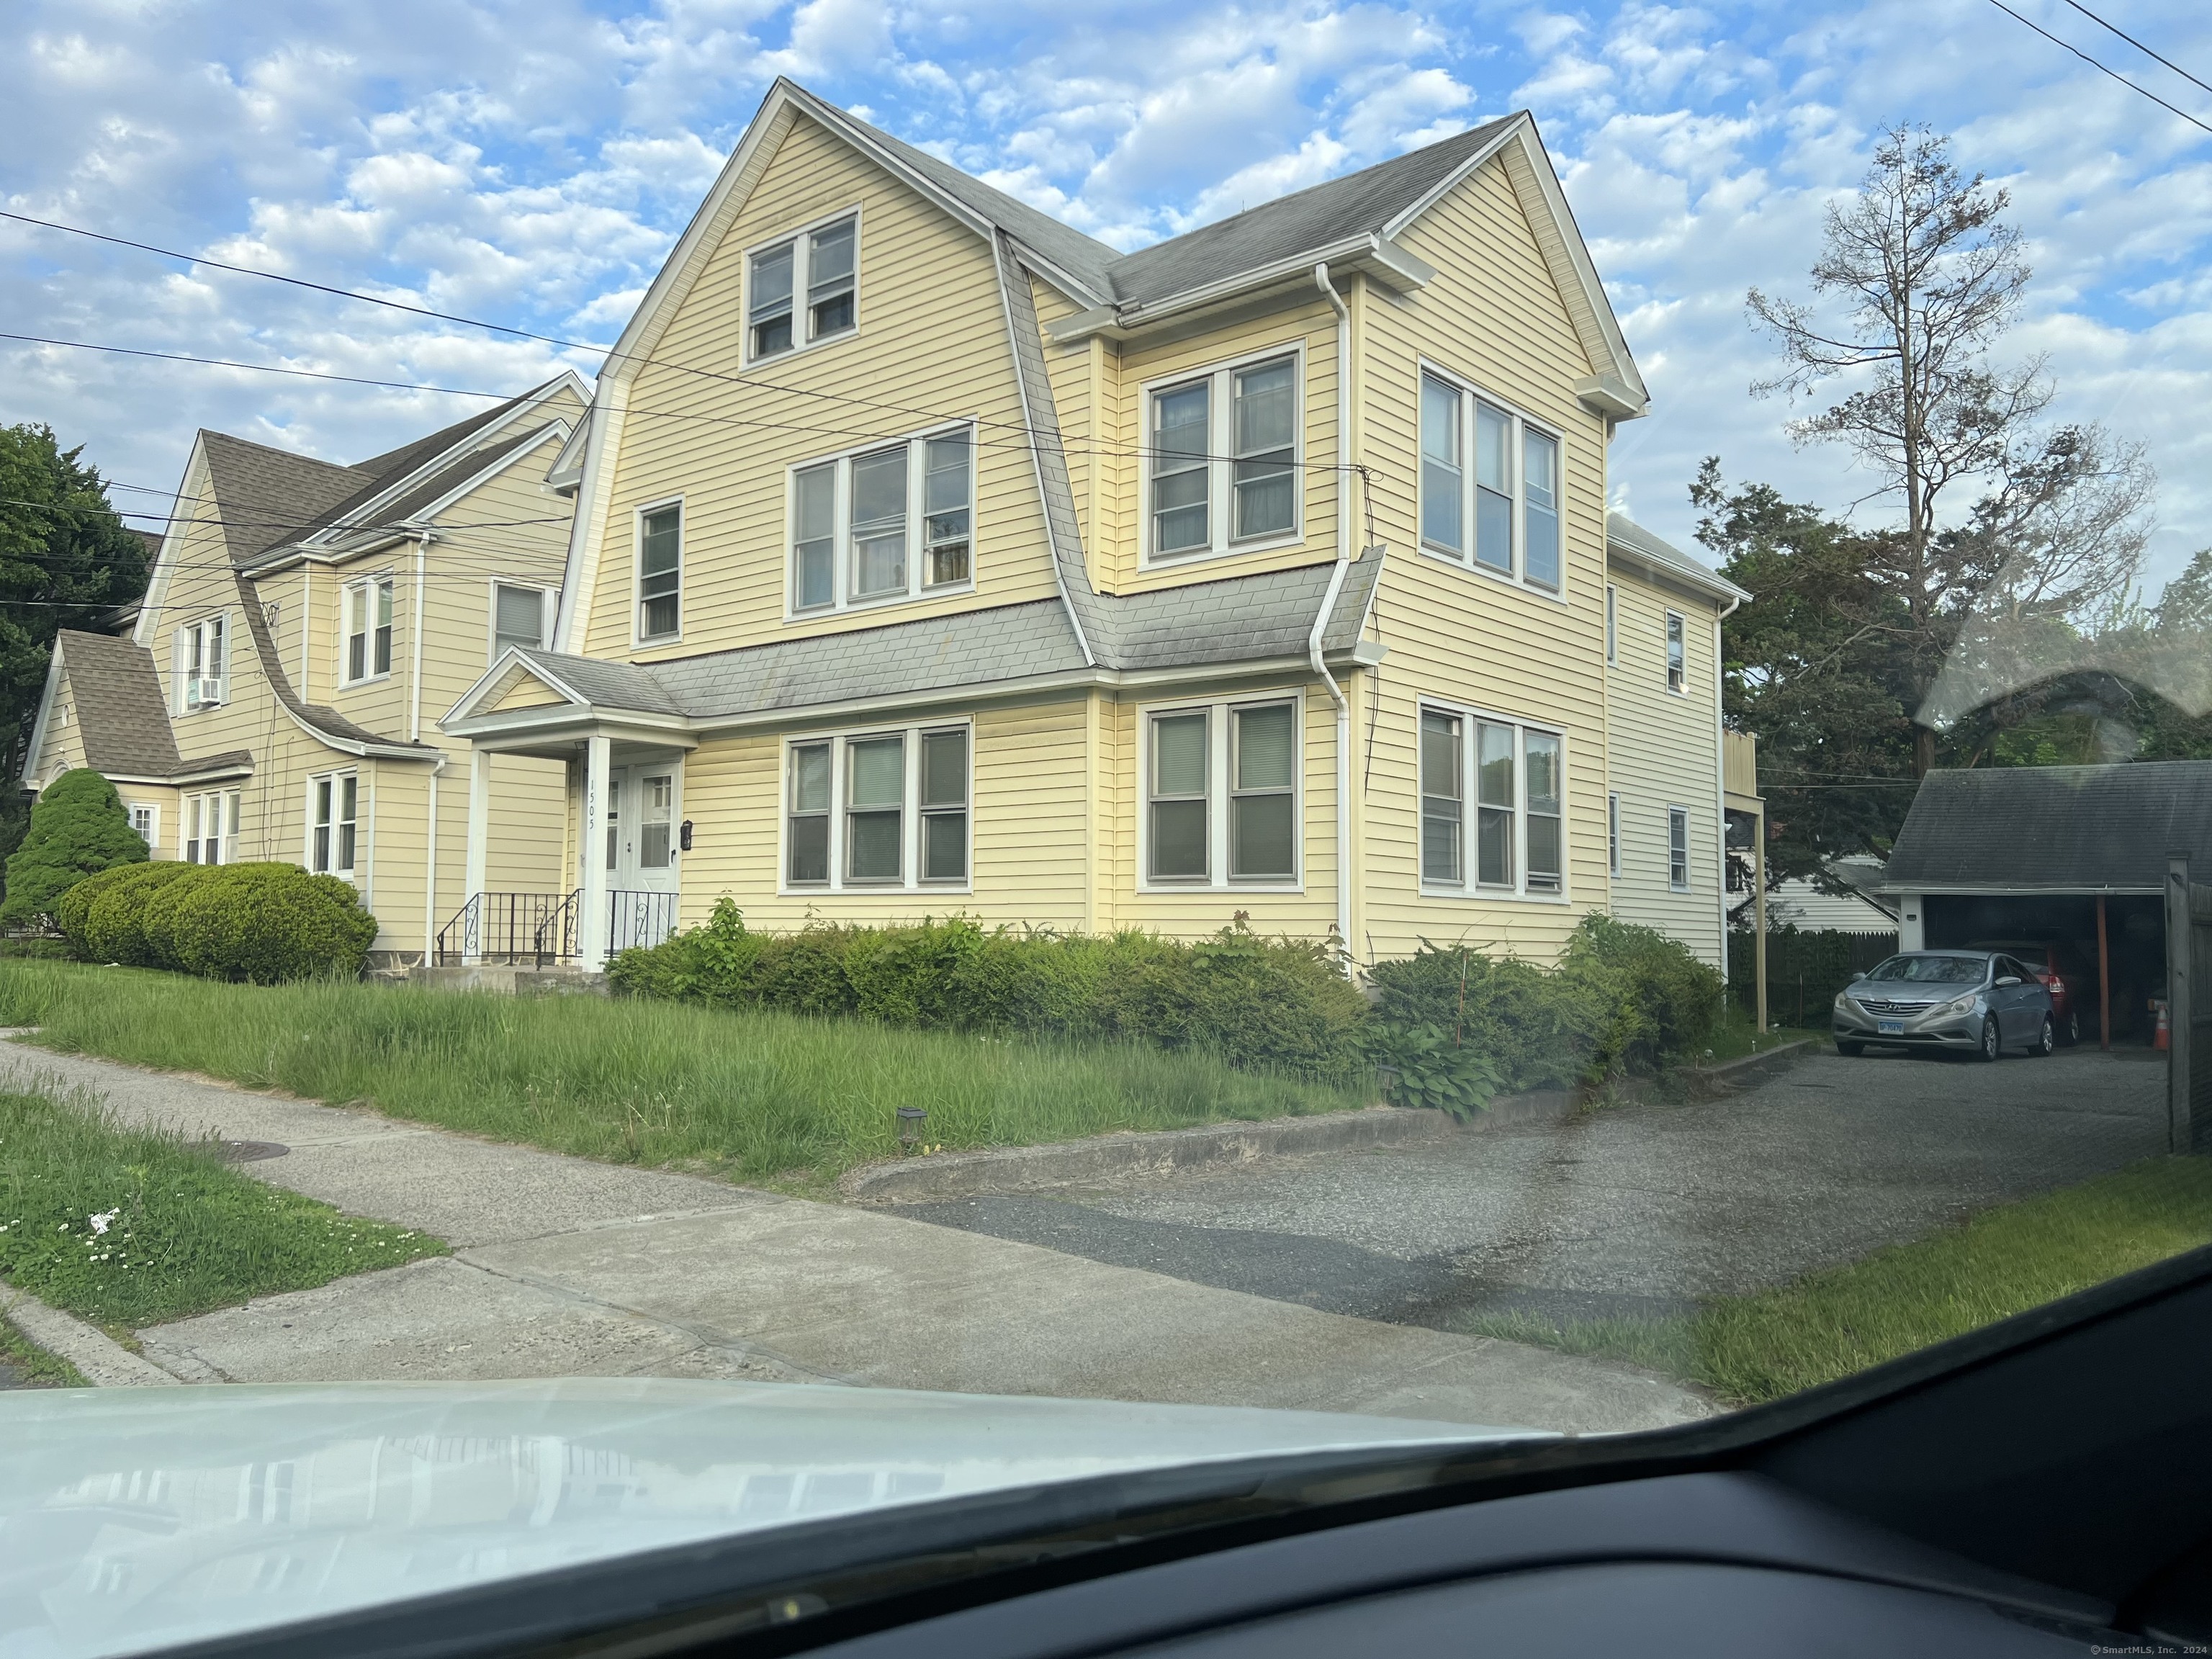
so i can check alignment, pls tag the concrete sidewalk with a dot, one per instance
(566, 1266)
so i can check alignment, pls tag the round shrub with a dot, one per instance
(77, 829)
(262, 922)
(110, 910)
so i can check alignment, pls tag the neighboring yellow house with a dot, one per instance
(932, 557)
(303, 626)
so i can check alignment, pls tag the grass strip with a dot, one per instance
(34, 1366)
(127, 1227)
(2005, 1261)
(752, 1095)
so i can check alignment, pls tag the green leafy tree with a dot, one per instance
(77, 829)
(65, 557)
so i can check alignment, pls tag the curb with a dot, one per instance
(1726, 1078)
(99, 1359)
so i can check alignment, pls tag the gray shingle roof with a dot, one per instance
(1356, 205)
(115, 694)
(2053, 828)
(1237, 619)
(265, 496)
(1624, 534)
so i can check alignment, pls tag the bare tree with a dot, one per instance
(1926, 278)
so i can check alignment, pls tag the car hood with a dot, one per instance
(134, 1519)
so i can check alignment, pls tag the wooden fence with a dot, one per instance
(1805, 969)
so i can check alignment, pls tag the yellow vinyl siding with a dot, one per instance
(931, 349)
(1494, 317)
(1665, 753)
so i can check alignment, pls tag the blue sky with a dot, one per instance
(529, 163)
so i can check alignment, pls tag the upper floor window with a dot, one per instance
(518, 618)
(884, 524)
(368, 629)
(1490, 485)
(1517, 818)
(1221, 794)
(879, 809)
(201, 664)
(1678, 848)
(1222, 454)
(660, 573)
(1677, 669)
(802, 290)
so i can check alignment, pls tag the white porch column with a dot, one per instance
(472, 880)
(591, 925)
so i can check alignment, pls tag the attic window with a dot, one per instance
(818, 266)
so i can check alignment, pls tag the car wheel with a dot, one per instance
(2046, 1038)
(2072, 1034)
(1850, 1050)
(1992, 1045)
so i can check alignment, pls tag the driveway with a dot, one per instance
(1625, 1210)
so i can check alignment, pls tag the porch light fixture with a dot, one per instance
(910, 1120)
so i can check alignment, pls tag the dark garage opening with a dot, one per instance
(2135, 943)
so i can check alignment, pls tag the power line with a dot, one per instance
(2094, 64)
(2136, 43)
(259, 369)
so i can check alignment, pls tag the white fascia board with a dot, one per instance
(1375, 256)
(37, 743)
(354, 746)
(187, 774)
(150, 604)
(1705, 584)
(477, 481)
(2025, 889)
(465, 705)
(563, 721)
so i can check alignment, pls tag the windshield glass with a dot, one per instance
(1934, 970)
(637, 973)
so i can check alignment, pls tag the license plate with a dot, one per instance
(1890, 1027)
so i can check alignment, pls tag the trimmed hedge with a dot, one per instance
(262, 922)
(1256, 1002)
(1623, 999)
(78, 828)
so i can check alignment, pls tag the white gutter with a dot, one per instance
(422, 539)
(1328, 608)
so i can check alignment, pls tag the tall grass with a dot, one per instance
(129, 1227)
(752, 1095)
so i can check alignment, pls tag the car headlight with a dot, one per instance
(1964, 1005)
(1842, 1003)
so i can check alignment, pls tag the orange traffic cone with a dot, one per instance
(2163, 1039)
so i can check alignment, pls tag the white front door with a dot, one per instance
(642, 854)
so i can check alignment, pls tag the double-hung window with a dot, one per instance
(367, 631)
(211, 834)
(1678, 670)
(801, 291)
(1678, 848)
(1221, 458)
(660, 573)
(201, 664)
(1513, 841)
(333, 823)
(1491, 484)
(884, 524)
(518, 618)
(1221, 794)
(877, 809)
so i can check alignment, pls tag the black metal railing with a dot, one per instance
(539, 929)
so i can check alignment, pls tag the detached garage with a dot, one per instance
(2076, 857)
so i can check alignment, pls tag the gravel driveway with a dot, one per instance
(1632, 1210)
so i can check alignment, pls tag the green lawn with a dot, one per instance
(128, 1227)
(754, 1095)
(2005, 1261)
(1738, 1036)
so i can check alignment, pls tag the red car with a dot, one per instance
(2041, 958)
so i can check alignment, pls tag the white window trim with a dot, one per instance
(347, 593)
(909, 880)
(640, 640)
(1611, 626)
(798, 238)
(153, 832)
(1688, 863)
(545, 610)
(1613, 833)
(1669, 624)
(229, 808)
(841, 509)
(1468, 887)
(1220, 444)
(361, 820)
(1221, 711)
(1515, 468)
(180, 656)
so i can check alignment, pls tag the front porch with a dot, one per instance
(544, 930)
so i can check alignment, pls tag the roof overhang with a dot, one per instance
(1706, 588)
(1376, 257)
(1907, 890)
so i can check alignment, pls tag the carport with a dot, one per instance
(2077, 856)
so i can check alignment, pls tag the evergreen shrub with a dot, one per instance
(78, 828)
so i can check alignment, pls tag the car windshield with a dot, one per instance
(1934, 970)
(630, 973)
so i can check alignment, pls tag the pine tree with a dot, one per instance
(77, 829)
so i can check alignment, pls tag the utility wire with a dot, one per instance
(259, 369)
(2137, 45)
(2094, 64)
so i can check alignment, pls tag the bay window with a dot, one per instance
(333, 823)
(888, 523)
(1221, 459)
(1221, 794)
(1517, 841)
(1490, 485)
(802, 290)
(368, 629)
(877, 809)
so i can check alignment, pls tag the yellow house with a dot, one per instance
(930, 556)
(304, 625)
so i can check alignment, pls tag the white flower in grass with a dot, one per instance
(101, 1222)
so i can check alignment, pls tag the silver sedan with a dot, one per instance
(1974, 1002)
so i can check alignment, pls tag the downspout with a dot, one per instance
(1720, 790)
(1328, 607)
(430, 866)
(422, 590)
